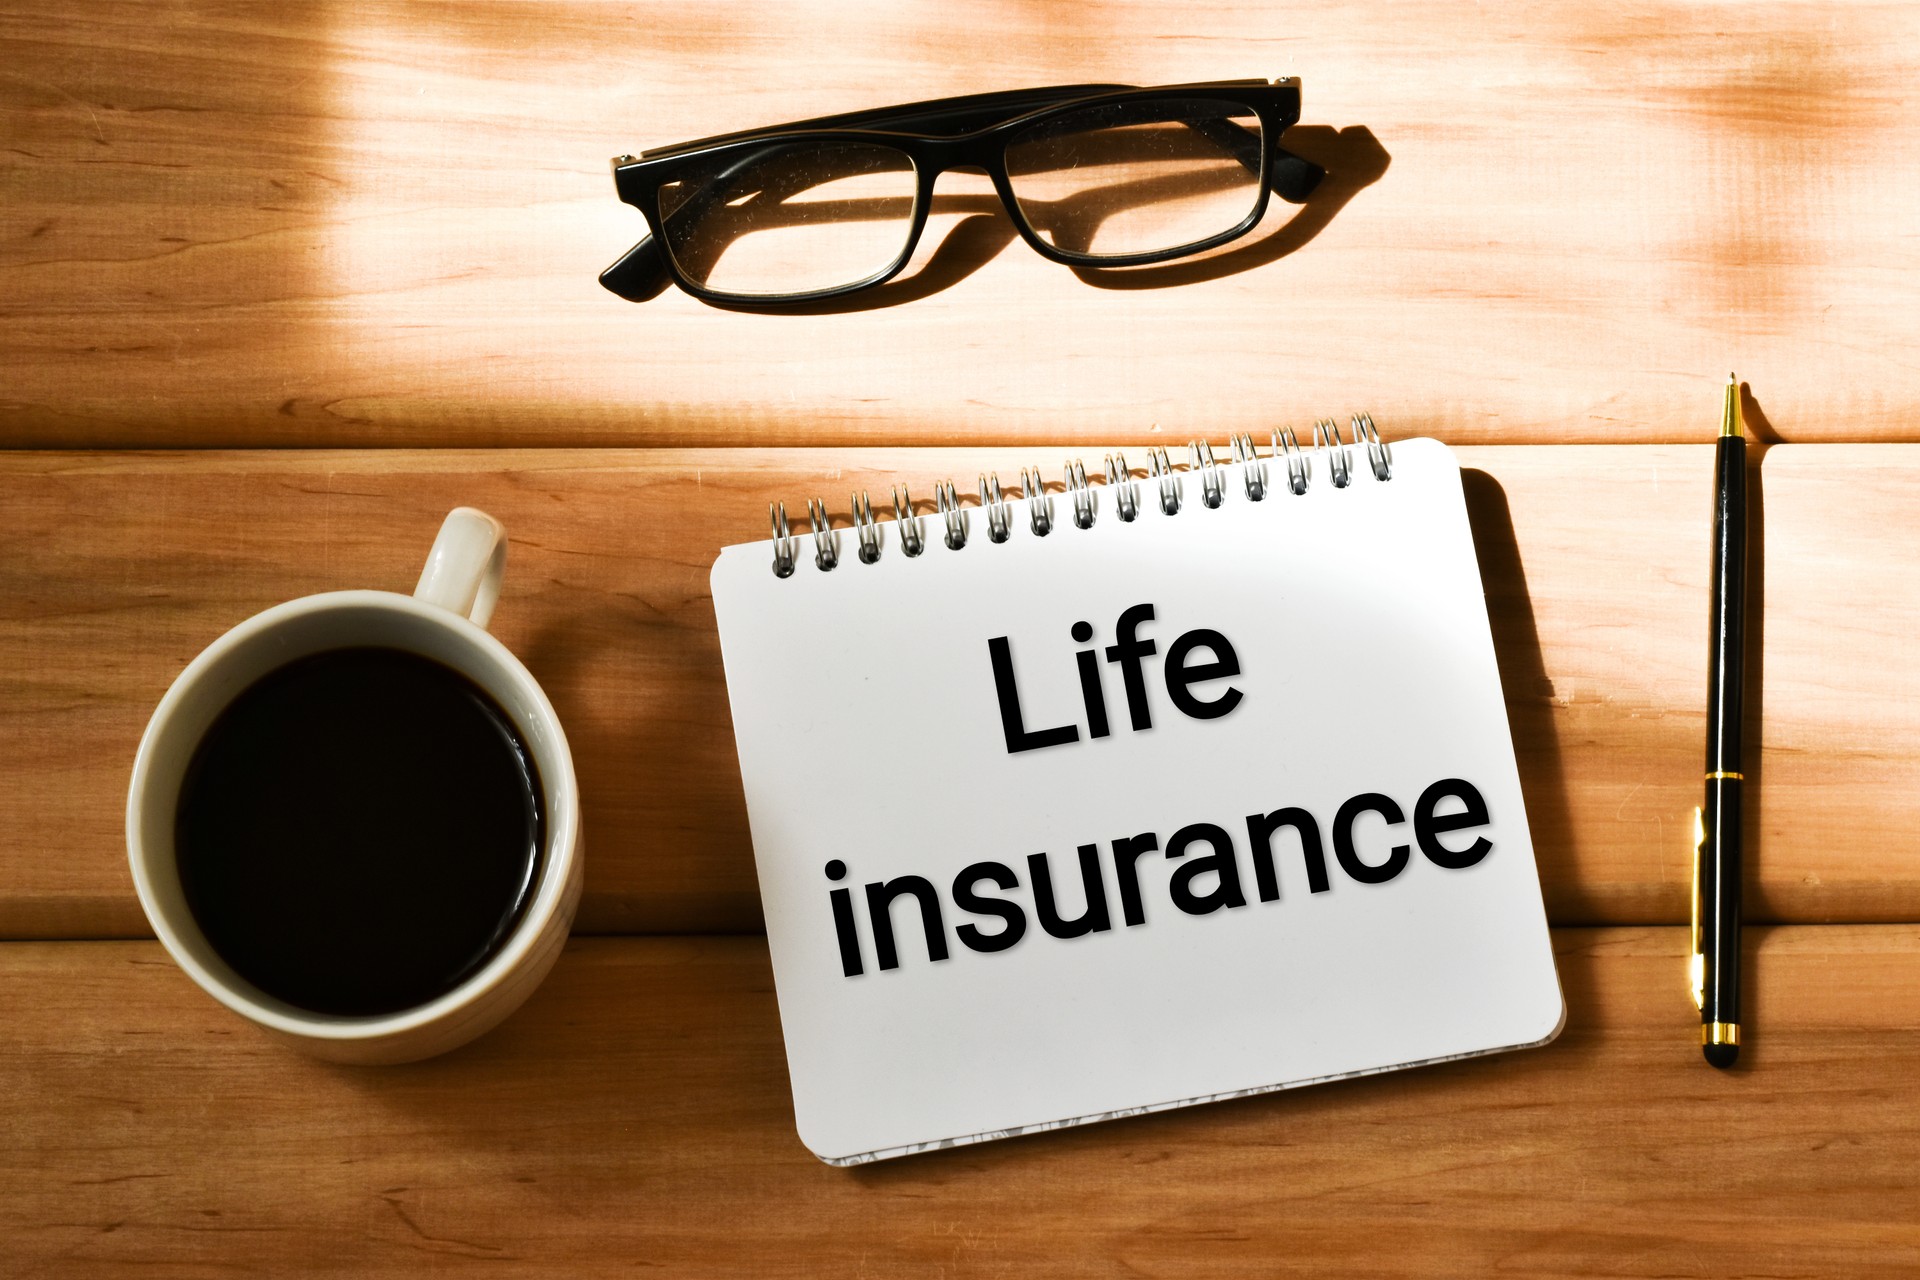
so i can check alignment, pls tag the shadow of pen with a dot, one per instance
(1762, 436)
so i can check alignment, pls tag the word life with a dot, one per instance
(1129, 652)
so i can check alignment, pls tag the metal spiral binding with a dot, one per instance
(910, 540)
(1082, 494)
(868, 528)
(999, 510)
(1326, 435)
(1039, 505)
(1252, 470)
(782, 540)
(1126, 491)
(956, 517)
(826, 548)
(1299, 465)
(998, 506)
(1162, 470)
(1213, 486)
(1379, 453)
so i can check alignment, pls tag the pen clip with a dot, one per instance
(1697, 962)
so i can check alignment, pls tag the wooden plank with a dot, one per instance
(635, 1114)
(381, 224)
(119, 568)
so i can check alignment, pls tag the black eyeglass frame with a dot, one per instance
(942, 134)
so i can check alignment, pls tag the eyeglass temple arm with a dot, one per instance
(936, 115)
(1293, 178)
(639, 275)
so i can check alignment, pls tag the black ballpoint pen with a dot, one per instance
(1716, 865)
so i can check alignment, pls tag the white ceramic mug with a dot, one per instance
(444, 619)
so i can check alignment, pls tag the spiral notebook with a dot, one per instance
(1110, 797)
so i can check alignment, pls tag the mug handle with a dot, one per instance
(464, 568)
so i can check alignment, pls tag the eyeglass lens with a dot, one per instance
(1137, 177)
(776, 219)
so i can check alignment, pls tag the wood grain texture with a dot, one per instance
(119, 568)
(380, 224)
(635, 1114)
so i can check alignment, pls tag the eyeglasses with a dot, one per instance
(1091, 175)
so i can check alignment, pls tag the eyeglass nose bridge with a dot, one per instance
(972, 151)
(933, 157)
(976, 153)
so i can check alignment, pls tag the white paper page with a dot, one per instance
(870, 732)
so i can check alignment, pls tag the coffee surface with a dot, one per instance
(360, 831)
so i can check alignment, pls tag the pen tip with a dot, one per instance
(1730, 414)
(1721, 1055)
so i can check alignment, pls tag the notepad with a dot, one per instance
(1105, 798)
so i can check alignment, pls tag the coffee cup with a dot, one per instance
(219, 846)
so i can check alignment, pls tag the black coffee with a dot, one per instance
(360, 831)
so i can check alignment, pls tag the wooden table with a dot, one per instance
(280, 285)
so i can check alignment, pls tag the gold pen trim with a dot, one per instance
(1697, 963)
(1720, 1033)
(1726, 773)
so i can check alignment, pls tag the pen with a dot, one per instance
(1716, 861)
